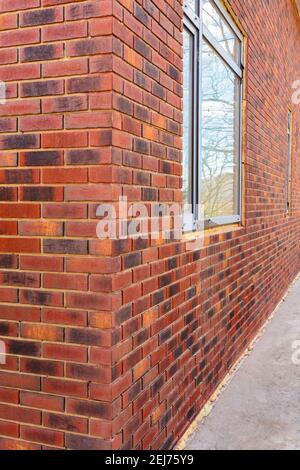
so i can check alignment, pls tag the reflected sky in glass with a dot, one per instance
(192, 4)
(221, 31)
(220, 136)
(187, 116)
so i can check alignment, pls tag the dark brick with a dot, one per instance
(66, 423)
(141, 15)
(24, 348)
(96, 374)
(50, 87)
(21, 279)
(21, 141)
(38, 17)
(84, 84)
(174, 73)
(44, 52)
(124, 105)
(41, 158)
(159, 91)
(151, 70)
(42, 367)
(78, 247)
(165, 335)
(38, 298)
(8, 261)
(142, 48)
(69, 103)
(75, 442)
(141, 146)
(7, 194)
(149, 194)
(157, 385)
(92, 409)
(142, 113)
(38, 194)
(89, 337)
(18, 176)
(83, 157)
(123, 314)
(131, 260)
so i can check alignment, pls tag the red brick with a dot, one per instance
(64, 175)
(8, 228)
(64, 139)
(19, 245)
(44, 228)
(66, 423)
(9, 395)
(70, 388)
(42, 401)
(22, 415)
(70, 67)
(20, 210)
(63, 211)
(116, 344)
(19, 37)
(19, 72)
(66, 281)
(20, 313)
(64, 31)
(40, 123)
(64, 317)
(42, 332)
(65, 352)
(45, 436)
(9, 21)
(41, 263)
(9, 429)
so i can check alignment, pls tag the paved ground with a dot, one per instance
(260, 408)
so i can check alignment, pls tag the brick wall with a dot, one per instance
(118, 344)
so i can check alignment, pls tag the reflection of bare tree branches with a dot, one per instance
(218, 136)
(222, 31)
(188, 117)
(218, 166)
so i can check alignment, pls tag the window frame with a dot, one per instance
(194, 19)
(289, 176)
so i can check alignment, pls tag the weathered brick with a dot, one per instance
(42, 88)
(44, 52)
(41, 158)
(41, 17)
(79, 247)
(116, 344)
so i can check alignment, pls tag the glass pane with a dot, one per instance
(220, 136)
(220, 29)
(187, 116)
(192, 4)
(288, 176)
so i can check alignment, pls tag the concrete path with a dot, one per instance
(260, 407)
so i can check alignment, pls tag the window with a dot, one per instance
(212, 101)
(289, 165)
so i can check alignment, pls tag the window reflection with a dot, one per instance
(193, 4)
(212, 115)
(187, 116)
(220, 136)
(220, 29)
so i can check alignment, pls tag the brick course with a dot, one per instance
(119, 344)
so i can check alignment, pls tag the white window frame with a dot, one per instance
(193, 21)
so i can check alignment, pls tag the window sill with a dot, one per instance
(222, 229)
